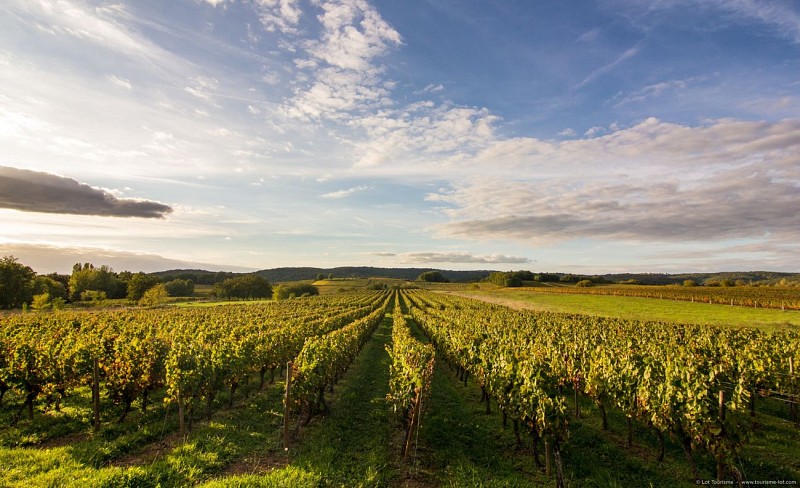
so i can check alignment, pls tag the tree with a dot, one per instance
(139, 284)
(320, 277)
(180, 288)
(155, 295)
(299, 290)
(584, 283)
(41, 302)
(16, 283)
(689, 283)
(432, 277)
(47, 285)
(247, 286)
(86, 277)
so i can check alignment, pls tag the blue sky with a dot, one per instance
(623, 135)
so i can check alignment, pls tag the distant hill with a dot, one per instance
(765, 277)
(296, 274)
(308, 273)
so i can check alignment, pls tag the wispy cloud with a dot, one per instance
(120, 82)
(452, 257)
(344, 193)
(609, 67)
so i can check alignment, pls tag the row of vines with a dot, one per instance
(186, 356)
(410, 375)
(746, 296)
(696, 384)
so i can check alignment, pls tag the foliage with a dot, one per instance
(85, 277)
(16, 283)
(584, 283)
(46, 284)
(511, 279)
(180, 288)
(156, 295)
(245, 287)
(41, 302)
(432, 277)
(139, 283)
(283, 292)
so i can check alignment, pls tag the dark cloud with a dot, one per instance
(32, 191)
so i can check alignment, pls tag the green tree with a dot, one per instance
(432, 277)
(180, 288)
(155, 295)
(16, 283)
(46, 284)
(41, 302)
(86, 277)
(139, 284)
(249, 286)
(298, 290)
(689, 283)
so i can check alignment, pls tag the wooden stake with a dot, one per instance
(96, 395)
(286, 409)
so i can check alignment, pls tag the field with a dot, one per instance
(637, 308)
(367, 385)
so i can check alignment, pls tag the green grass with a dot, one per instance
(461, 446)
(644, 309)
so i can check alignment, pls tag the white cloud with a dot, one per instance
(279, 15)
(344, 77)
(726, 179)
(120, 82)
(609, 66)
(344, 193)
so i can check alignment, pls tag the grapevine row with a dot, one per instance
(192, 354)
(410, 373)
(693, 383)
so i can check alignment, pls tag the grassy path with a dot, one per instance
(351, 446)
(459, 445)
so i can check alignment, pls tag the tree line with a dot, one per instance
(21, 286)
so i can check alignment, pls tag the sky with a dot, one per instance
(572, 136)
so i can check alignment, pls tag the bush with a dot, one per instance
(584, 283)
(156, 295)
(433, 277)
(299, 290)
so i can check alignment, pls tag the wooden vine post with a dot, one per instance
(415, 412)
(720, 460)
(286, 406)
(96, 395)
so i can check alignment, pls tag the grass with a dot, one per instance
(125, 455)
(352, 445)
(646, 309)
(459, 445)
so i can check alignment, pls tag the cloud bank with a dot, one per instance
(32, 191)
(453, 257)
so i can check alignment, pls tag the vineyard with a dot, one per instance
(175, 397)
(746, 296)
